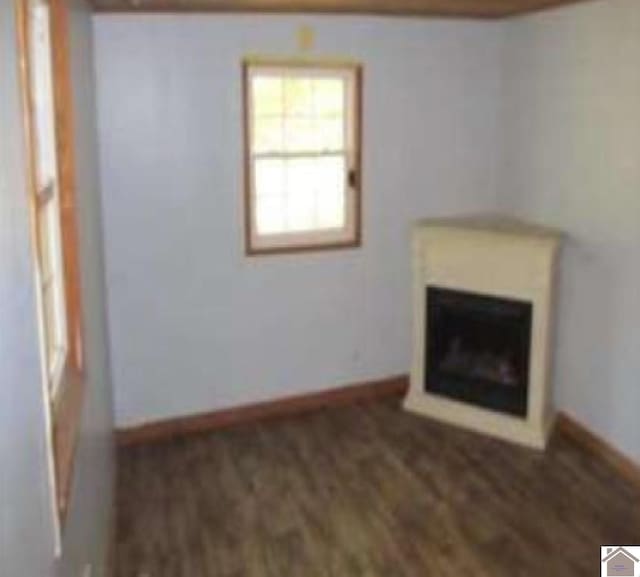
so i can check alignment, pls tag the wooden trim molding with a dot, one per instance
(67, 413)
(67, 409)
(480, 9)
(600, 448)
(65, 146)
(396, 386)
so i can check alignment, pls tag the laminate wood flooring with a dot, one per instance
(365, 491)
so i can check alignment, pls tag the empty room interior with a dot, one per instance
(319, 288)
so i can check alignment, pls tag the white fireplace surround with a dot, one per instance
(498, 257)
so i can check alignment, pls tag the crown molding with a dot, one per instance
(481, 9)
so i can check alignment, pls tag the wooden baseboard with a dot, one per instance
(396, 386)
(600, 448)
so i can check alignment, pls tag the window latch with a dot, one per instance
(352, 178)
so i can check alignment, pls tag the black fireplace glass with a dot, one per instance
(478, 349)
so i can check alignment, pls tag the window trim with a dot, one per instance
(64, 404)
(303, 242)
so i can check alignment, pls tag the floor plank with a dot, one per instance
(365, 491)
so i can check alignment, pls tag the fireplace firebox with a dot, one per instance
(477, 349)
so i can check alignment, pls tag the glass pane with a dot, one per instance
(298, 96)
(300, 194)
(330, 134)
(47, 255)
(328, 96)
(53, 297)
(51, 228)
(331, 174)
(270, 214)
(268, 134)
(300, 174)
(50, 323)
(270, 176)
(330, 179)
(331, 210)
(301, 211)
(301, 135)
(42, 95)
(268, 95)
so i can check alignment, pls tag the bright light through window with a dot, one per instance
(303, 156)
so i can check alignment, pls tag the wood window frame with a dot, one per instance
(355, 240)
(65, 408)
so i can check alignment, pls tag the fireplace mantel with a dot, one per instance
(498, 257)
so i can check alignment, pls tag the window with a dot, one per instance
(47, 93)
(47, 195)
(302, 124)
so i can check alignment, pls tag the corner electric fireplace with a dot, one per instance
(478, 349)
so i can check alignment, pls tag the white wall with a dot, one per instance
(26, 527)
(572, 119)
(196, 325)
(535, 116)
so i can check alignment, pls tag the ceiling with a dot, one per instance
(450, 8)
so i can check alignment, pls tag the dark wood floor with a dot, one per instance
(366, 490)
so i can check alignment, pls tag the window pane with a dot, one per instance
(300, 194)
(269, 176)
(50, 321)
(268, 95)
(330, 134)
(42, 96)
(301, 135)
(47, 255)
(328, 96)
(52, 278)
(268, 135)
(330, 203)
(298, 96)
(331, 174)
(51, 236)
(301, 211)
(270, 214)
(54, 335)
(300, 175)
(331, 210)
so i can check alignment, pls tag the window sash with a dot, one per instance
(347, 75)
(317, 237)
